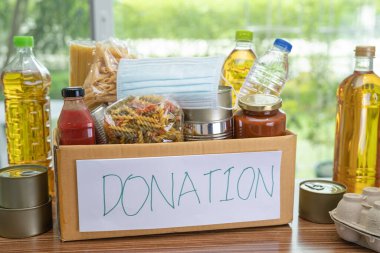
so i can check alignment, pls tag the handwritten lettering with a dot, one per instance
(123, 203)
(210, 183)
(228, 184)
(248, 179)
(238, 183)
(192, 185)
(171, 204)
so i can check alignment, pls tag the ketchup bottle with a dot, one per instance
(75, 124)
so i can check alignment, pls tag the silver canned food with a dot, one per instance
(26, 222)
(98, 116)
(218, 130)
(317, 198)
(222, 112)
(211, 123)
(23, 186)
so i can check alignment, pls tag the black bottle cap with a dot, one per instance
(72, 92)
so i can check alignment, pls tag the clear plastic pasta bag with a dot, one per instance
(144, 119)
(82, 55)
(100, 83)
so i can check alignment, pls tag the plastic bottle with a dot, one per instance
(75, 124)
(269, 73)
(26, 84)
(239, 62)
(357, 136)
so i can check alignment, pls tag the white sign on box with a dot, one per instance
(178, 191)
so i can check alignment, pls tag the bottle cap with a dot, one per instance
(72, 92)
(260, 102)
(365, 51)
(244, 35)
(283, 45)
(23, 41)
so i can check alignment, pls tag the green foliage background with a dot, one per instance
(309, 97)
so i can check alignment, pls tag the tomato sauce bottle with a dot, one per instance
(75, 124)
(260, 116)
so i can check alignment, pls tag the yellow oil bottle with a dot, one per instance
(357, 125)
(26, 84)
(239, 62)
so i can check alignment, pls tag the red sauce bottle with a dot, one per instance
(260, 116)
(75, 124)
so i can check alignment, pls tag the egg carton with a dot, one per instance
(356, 234)
(357, 218)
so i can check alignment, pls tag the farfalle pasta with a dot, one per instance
(144, 119)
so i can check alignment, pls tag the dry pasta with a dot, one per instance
(81, 59)
(144, 119)
(100, 83)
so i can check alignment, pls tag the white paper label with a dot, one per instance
(178, 191)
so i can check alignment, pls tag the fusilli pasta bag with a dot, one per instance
(144, 119)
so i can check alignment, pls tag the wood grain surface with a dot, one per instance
(299, 236)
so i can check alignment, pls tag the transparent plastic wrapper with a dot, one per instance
(144, 119)
(100, 83)
(81, 58)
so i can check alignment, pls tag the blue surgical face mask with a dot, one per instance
(192, 82)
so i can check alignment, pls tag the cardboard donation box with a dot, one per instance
(138, 189)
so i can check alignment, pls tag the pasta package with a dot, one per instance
(144, 119)
(100, 83)
(81, 58)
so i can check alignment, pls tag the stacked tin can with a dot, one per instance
(25, 205)
(211, 124)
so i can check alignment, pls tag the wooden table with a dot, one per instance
(299, 236)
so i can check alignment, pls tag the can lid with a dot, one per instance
(260, 102)
(21, 172)
(323, 186)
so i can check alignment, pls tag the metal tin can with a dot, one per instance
(98, 116)
(317, 198)
(23, 186)
(210, 124)
(209, 115)
(219, 130)
(25, 222)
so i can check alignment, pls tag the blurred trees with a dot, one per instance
(214, 19)
(52, 23)
(309, 97)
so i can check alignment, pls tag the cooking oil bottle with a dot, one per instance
(239, 62)
(357, 125)
(26, 84)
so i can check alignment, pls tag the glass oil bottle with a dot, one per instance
(357, 125)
